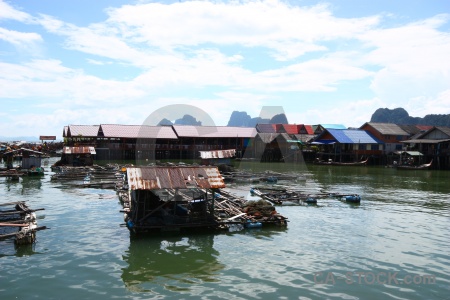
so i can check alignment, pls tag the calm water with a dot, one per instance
(394, 245)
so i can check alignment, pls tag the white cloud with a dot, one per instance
(287, 29)
(19, 38)
(7, 12)
(225, 56)
(413, 59)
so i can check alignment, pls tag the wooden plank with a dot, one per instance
(13, 225)
(11, 203)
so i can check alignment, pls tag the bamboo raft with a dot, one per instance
(250, 177)
(12, 173)
(283, 196)
(19, 222)
(288, 197)
(229, 210)
(88, 177)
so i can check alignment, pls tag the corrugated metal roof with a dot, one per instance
(424, 141)
(388, 128)
(79, 150)
(21, 150)
(267, 137)
(155, 178)
(410, 129)
(137, 131)
(412, 153)
(218, 154)
(305, 129)
(304, 137)
(83, 130)
(214, 131)
(290, 128)
(444, 129)
(352, 136)
(265, 128)
(285, 136)
(424, 127)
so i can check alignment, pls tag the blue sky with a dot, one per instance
(116, 62)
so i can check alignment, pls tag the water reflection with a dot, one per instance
(9, 248)
(31, 183)
(171, 263)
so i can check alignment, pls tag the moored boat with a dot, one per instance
(412, 167)
(335, 163)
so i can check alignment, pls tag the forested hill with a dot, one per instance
(401, 117)
(242, 119)
(382, 115)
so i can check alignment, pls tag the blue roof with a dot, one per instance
(353, 136)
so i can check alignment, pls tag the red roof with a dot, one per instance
(305, 129)
(424, 127)
(290, 128)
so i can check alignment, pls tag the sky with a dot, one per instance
(117, 62)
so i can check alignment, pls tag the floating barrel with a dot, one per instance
(251, 224)
(352, 198)
(310, 200)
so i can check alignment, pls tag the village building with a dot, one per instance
(77, 156)
(348, 145)
(278, 143)
(433, 144)
(147, 143)
(305, 133)
(390, 134)
(142, 144)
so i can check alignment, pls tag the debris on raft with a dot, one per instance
(181, 198)
(284, 197)
(263, 212)
(19, 222)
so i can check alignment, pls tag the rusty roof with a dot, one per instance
(79, 150)
(155, 178)
(218, 154)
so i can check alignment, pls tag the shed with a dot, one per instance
(78, 156)
(30, 158)
(172, 198)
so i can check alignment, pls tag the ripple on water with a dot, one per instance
(328, 251)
